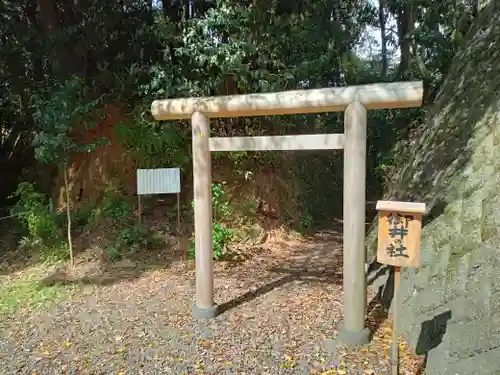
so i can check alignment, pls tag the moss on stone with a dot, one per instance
(454, 167)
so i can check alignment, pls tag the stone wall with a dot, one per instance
(450, 307)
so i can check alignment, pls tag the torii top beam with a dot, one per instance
(332, 99)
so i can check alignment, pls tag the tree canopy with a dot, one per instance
(134, 51)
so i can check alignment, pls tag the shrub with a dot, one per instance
(42, 224)
(221, 235)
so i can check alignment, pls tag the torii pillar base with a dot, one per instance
(351, 338)
(205, 313)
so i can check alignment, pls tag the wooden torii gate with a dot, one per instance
(355, 101)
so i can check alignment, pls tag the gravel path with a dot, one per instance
(281, 314)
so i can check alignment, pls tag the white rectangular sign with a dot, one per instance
(158, 181)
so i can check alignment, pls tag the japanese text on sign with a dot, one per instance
(399, 229)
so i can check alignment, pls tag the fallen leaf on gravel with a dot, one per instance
(204, 343)
(287, 365)
(293, 314)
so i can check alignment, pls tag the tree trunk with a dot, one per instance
(64, 62)
(48, 15)
(31, 14)
(68, 215)
(383, 37)
(405, 25)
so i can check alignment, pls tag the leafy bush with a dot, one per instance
(153, 144)
(221, 235)
(115, 208)
(129, 240)
(41, 222)
(126, 237)
(220, 238)
(220, 205)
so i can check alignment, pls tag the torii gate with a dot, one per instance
(355, 101)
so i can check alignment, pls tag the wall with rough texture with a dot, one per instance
(450, 307)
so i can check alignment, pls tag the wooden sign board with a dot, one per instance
(399, 229)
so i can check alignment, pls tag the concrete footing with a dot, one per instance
(205, 313)
(354, 338)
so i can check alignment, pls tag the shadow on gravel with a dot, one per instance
(317, 262)
(290, 276)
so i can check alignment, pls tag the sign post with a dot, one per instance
(399, 230)
(159, 181)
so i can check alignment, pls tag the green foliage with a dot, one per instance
(114, 207)
(42, 224)
(221, 235)
(126, 236)
(57, 114)
(220, 238)
(33, 209)
(154, 144)
(220, 205)
(129, 240)
(82, 216)
(52, 85)
(306, 221)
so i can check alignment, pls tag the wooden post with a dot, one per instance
(178, 213)
(139, 208)
(399, 230)
(394, 349)
(353, 332)
(202, 180)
